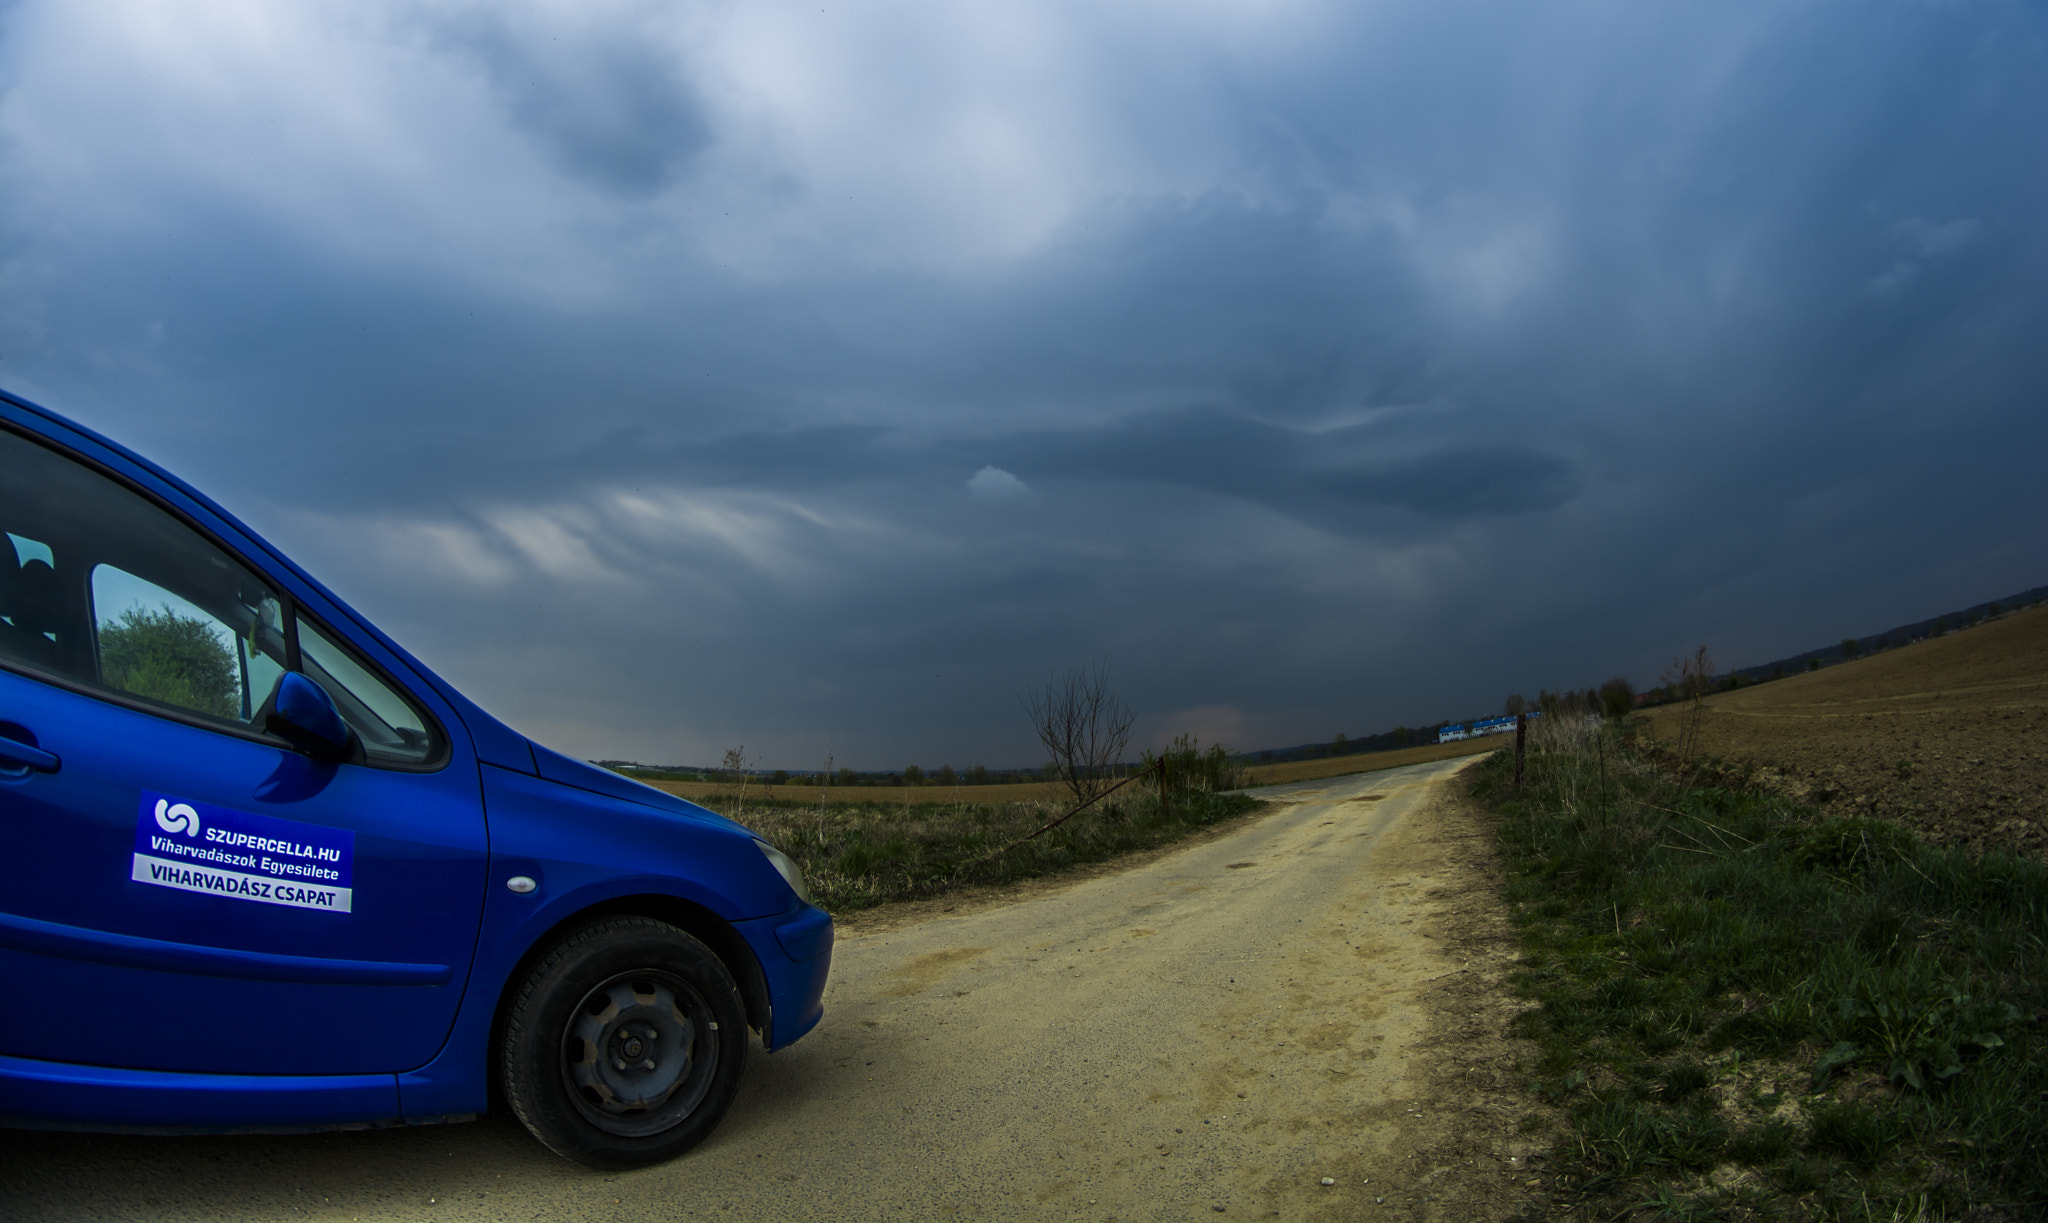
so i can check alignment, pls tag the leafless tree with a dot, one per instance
(1691, 678)
(1085, 727)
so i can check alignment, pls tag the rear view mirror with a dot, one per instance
(303, 715)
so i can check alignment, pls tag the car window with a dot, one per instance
(104, 587)
(26, 550)
(100, 585)
(392, 729)
(157, 645)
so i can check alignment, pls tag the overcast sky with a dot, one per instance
(673, 377)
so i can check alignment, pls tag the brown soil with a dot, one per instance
(1945, 736)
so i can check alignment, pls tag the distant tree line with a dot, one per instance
(1687, 681)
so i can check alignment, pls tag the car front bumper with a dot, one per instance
(795, 951)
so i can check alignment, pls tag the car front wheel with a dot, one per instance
(624, 1044)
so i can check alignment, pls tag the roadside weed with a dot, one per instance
(1746, 1011)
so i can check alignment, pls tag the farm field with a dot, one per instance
(1052, 791)
(1946, 736)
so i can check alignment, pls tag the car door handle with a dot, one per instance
(20, 755)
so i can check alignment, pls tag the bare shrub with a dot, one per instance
(733, 772)
(1691, 679)
(1617, 698)
(1085, 727)
(1188, 766)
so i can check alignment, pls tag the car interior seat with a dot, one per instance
(31, 602)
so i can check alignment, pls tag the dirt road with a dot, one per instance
(1312, 995)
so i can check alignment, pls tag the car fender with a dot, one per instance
(585, 854)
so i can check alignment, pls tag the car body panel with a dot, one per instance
(594, 847)
(569, 771)
(55, 1095)
(805, 937)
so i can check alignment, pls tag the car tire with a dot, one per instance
(624, 1044)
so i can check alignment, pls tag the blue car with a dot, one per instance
(261, 870)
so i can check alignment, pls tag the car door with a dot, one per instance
(179, 888)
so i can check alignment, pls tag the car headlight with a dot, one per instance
(785, 868)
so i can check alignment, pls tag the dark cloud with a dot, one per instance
(824, 384)
(1491, 480)
(610, 107)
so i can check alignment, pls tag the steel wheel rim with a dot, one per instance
(639, 1053)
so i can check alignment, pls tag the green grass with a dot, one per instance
(1748, 1012)
(859, 854)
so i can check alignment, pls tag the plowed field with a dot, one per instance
(1949, 736)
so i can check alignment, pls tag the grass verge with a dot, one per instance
(1747, 1012)
(859, 854)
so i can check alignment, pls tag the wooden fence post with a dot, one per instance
(1521, 740)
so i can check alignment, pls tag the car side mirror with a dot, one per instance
(303, 715)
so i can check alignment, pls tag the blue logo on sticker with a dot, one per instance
(198, 847)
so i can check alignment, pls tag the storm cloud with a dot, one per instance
(677, 376)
